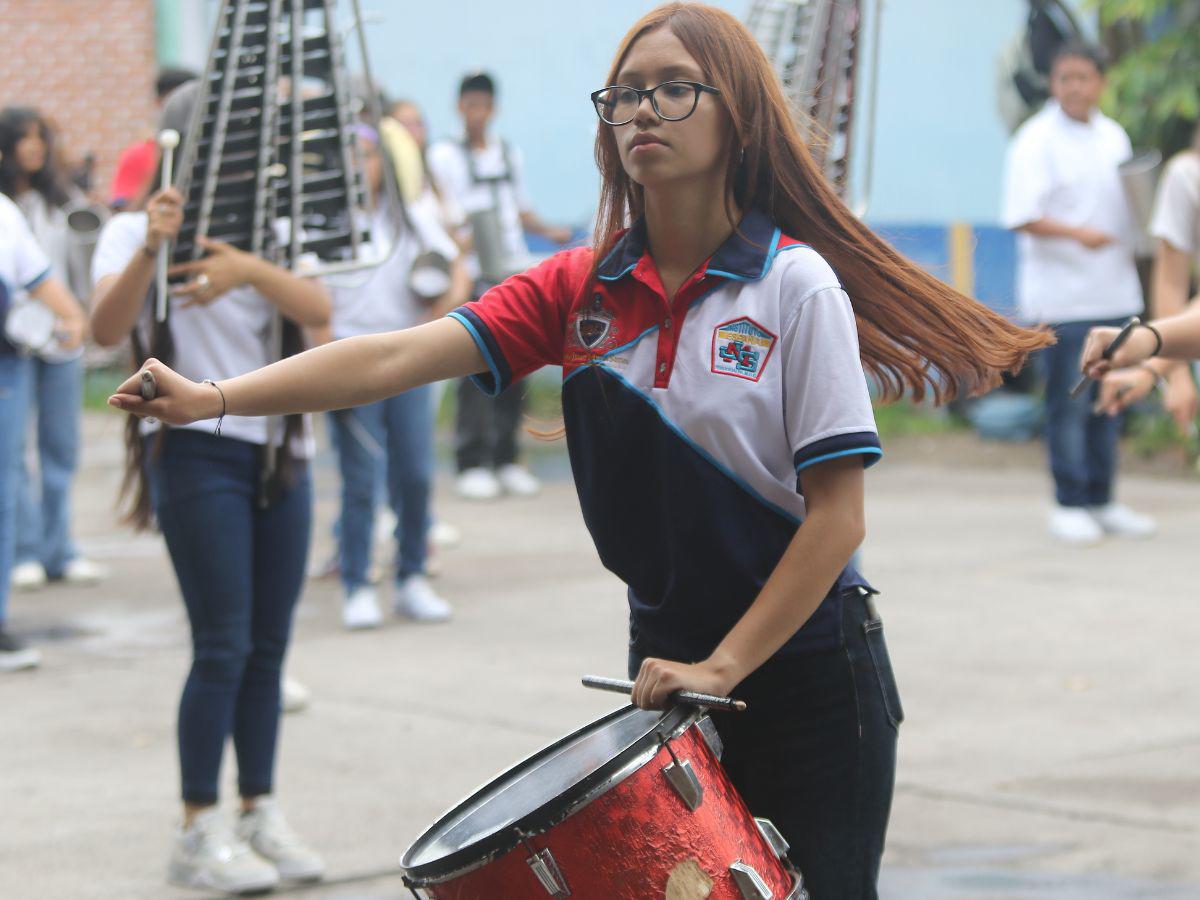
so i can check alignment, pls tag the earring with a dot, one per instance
(742, 158)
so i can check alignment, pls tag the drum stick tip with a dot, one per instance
(168, 139)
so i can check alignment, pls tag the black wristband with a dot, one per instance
(1157, 339)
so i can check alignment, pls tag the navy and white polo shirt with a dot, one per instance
(690, 421)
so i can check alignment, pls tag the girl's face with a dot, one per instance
(30, 151)
(656, 151)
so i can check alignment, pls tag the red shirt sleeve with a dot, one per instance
(519, 326)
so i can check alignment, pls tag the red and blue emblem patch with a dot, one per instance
(741, 348)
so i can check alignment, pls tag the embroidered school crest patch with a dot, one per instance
(594, 325)
(741, 348)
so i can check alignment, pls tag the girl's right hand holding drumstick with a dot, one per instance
(177, 400)
(1142, 343)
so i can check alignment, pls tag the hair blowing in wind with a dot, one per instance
(916, 333)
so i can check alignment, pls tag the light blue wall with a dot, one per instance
(939, 140)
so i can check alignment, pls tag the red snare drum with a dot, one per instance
(635, 805)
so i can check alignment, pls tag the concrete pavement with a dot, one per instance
(1051, 748)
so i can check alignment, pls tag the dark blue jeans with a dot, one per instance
(240, 569)
(1082, 445)
(815, 752)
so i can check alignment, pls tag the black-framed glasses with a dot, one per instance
(672, 100)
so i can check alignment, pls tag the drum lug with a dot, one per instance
(545, 867)
(749, 882)
(708, 731)
(772, 836)
(683, 778)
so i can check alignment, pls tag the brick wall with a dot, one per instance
(88, 65)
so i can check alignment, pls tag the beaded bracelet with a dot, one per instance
(220, 418)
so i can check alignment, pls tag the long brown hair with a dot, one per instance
(916, 333)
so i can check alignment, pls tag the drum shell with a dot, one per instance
(625, 844)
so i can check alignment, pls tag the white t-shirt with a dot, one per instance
(451, 171)
(378, 299)
(1066, 170)
(1176, 218)
(224, 339)
(23, 264)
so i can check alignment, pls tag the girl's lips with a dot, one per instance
(647, 145)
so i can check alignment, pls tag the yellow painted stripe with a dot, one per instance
(961, 237)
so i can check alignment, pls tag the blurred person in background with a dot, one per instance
(136, 166)
(31, 176)
(237, 541)
(480, 173)
(1075, 270)
(23, 267)
(1176, 225)
(390, 442)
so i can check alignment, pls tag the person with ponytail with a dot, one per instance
(238, 542)
(717, 414)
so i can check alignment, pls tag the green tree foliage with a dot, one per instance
(1154, 86)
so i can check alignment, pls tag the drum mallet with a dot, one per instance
(168, 140)
(708, 701)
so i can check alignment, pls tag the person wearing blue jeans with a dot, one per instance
(31, 175)
(23, 265)
(1075, 268)
(389, 443)
(233, 500)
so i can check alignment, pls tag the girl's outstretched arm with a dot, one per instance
(342, 374)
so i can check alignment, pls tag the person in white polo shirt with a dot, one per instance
(483, 176)
(1075, 270)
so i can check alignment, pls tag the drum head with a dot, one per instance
(543, 790)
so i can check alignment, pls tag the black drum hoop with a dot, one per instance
(673, 723)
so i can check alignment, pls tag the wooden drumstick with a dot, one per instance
(168, 140)
(708, 701)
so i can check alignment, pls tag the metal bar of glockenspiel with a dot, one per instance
(348, 146)
(216, 148)
(266, 145)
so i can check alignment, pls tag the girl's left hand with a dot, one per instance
(657, 679)
(224, 268)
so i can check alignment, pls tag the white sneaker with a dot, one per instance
(293, 696)
(361, 609)
(15, 655)
(416, 600)
(1118, 519)
(270, 836)
(443, 535)
(477, 484)
(208, 854)
(1074, 525)
(28, 576)
(83, 572)
(518, 480)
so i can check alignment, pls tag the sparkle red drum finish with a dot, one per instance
(620, 810)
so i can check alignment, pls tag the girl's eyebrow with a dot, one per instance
(665, 74)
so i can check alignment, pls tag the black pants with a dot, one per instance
(815, 753)
(485, 428)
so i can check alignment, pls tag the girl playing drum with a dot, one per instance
(717, 415)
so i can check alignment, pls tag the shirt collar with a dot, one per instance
(746, 254)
